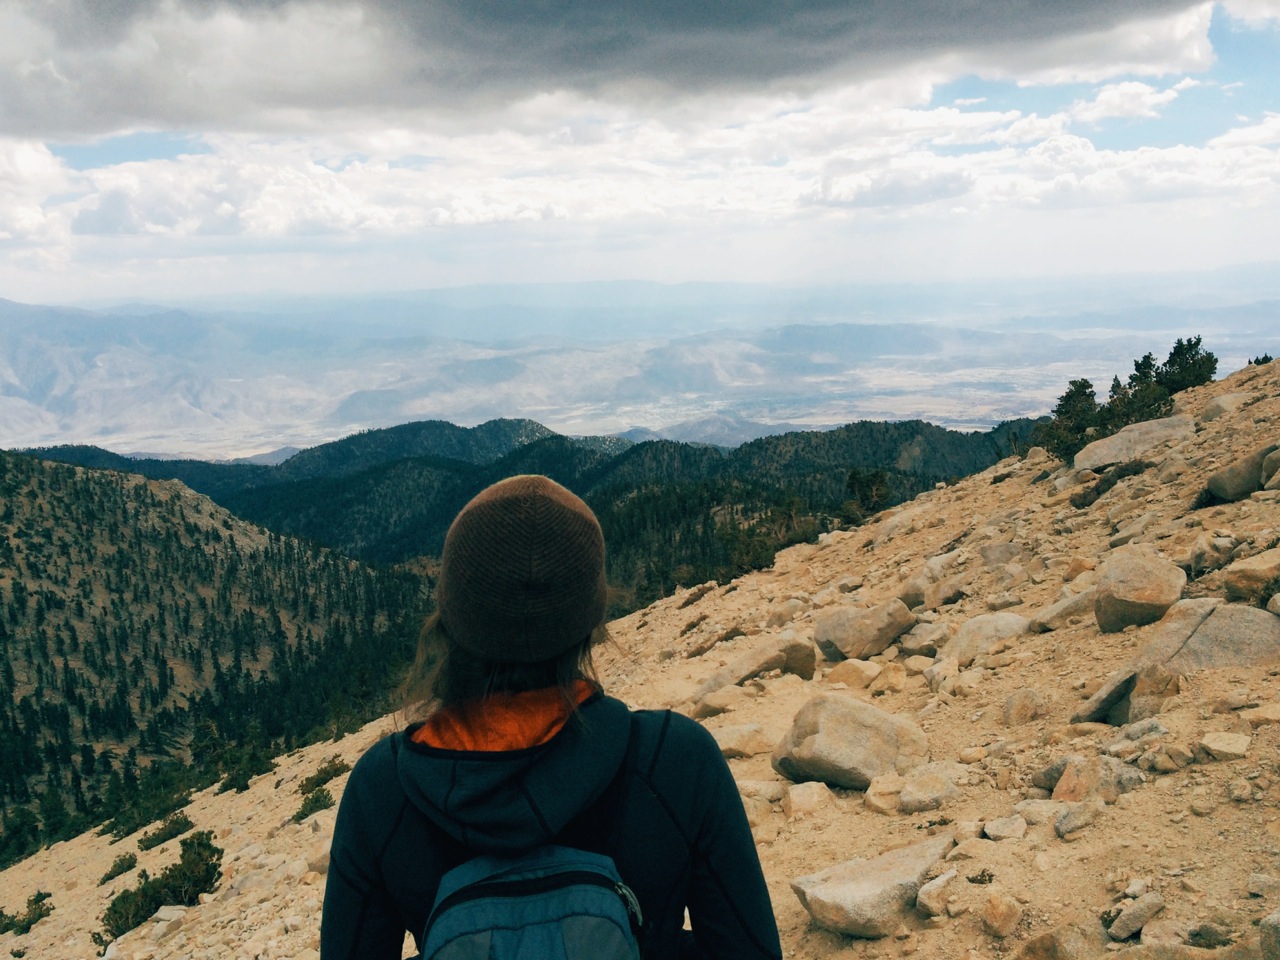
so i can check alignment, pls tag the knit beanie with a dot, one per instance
(522, 574)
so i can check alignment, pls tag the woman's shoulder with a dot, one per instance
(376, 767)
(671, 735)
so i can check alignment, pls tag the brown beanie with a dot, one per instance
(522, 575)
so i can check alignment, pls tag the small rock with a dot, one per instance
(973, 754)
(1134, 915)
(1223, 746)
(1006, 828)
(744, 740)
(932, 898)
(855, 674)
(1001, 915)
(891, 679)
(1077, 816)
(882, 793)
(870, 897)
(805, 799)
(1023, 706)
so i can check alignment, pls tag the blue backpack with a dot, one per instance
(552, 903)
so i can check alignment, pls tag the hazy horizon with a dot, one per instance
(714, 363)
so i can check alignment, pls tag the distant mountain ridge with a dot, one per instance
(361, 451)
(673, 513)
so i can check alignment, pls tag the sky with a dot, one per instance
(154, 149)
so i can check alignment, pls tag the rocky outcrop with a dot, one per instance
(842, 741)
(1237, 481)
(1134, 442)
(983, 634)
(1136, 588)
(1253, 578)
(1194, 635)
(870, 897)
(857, 634)
(788, 653)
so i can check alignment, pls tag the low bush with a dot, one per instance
(180, 884)
(1089, 495)
(38, 907)
(335, 766)
(173, 825)
(123, 864)
(318, 799)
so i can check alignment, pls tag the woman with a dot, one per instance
(521, 748)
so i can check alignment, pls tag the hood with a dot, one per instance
(508, 801)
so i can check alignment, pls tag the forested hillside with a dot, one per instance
(673, 513)
(136, 616)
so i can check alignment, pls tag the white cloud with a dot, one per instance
(1251, 134)
(1126, 100)
(1157, 46)
(29, 175)
(1255, 12)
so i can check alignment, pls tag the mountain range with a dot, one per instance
(673, 512)
(707, 363)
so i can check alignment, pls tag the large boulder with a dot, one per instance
(788, 653)
(979, 635)
(1136, 588)
(870, 897)
(1224, 404)
(844, 742)
(1238, 480)
(1195, 635)
(1132, 442)
(1080, 938)
(858, 634)
(1247, 579)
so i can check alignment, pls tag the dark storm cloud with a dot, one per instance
(681, 45)
(85, 71)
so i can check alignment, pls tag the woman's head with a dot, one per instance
(520, 594)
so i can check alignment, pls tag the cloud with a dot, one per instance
(74, 69)
(1265, 133)
(1255, 12)
(29, 175)
(1130, 99)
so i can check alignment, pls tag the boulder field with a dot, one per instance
(1034, 714)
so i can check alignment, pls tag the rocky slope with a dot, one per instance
(1000, 772)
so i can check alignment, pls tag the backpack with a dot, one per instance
(552, 903)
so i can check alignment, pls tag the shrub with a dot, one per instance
(38, 907)
(244, 766)
(174, 824)
(1087, 497)
(123, 864)
(318, 799)
(1079, 419)
(180, 883)
(1259, 361)
(335, 766)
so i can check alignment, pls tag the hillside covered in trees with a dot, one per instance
(145, 633)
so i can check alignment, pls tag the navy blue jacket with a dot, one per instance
(649, 788)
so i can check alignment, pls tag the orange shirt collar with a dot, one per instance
(502, 721)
